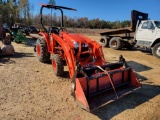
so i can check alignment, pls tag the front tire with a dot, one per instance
(57, 64)
(42, 52)
(156, 50)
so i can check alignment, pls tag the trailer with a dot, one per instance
(142, 33)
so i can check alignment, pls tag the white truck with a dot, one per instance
(142, 33)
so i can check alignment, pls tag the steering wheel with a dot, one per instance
(62, 29)
(53, 30)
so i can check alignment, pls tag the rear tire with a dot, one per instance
(104, 41)
(57, 64)
(156, 50)
(115, 43)
(42, 52)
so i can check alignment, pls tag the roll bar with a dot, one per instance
(56, 8)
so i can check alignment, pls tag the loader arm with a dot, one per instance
(68, 53)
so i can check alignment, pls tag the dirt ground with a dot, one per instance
(30, 91)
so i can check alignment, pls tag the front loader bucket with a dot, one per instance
(95, 90)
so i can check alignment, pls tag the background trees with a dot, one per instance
(19, 11)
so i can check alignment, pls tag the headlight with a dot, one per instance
(86, 45)
(76, 45)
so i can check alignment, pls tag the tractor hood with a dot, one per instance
(75, 39)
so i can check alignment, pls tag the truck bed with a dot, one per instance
(117, 31)
(135, 16)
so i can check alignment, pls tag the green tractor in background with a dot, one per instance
(17, 35)
(19, 38)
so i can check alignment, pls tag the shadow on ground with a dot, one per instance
(130, 101)
(8, 58)
(137, 67)
(21, 55)
(66, 74)
(147, 51)
(5, 60)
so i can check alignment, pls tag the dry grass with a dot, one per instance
(86, 31)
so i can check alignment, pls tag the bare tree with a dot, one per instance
(52, 2)
(24, 6)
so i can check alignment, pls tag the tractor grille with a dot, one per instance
(86, 55)
(84, 48)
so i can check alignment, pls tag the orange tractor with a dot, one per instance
(92, 77)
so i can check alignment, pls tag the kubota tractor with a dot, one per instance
(92, 77)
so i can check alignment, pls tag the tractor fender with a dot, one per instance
(46, 38)
(68, 54)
